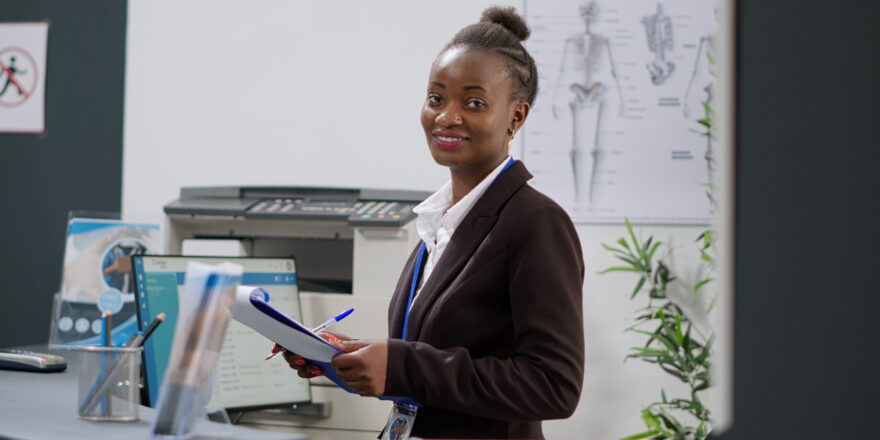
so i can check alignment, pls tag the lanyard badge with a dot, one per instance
(400, 422)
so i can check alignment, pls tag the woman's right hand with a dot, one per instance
(303, 368)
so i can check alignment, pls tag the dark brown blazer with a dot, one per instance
(495, 341)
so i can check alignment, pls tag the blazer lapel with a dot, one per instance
(465, 240)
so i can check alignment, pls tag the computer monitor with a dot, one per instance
(244, 379)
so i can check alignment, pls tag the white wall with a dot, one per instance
(281, 92)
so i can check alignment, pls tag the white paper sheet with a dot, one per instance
(288, 333)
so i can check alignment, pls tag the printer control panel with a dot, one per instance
(357, 207)
(359, 213)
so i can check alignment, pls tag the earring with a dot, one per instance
(510, 137)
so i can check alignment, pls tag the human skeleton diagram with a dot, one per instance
(586, 73)
(701, 89)
(658, 30)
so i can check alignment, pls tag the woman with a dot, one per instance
(491, 342)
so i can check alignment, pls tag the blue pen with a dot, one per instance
(105, 328)
(105, 337)
(332, 321)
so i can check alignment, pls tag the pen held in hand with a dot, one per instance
(275, 353)
(324, 326)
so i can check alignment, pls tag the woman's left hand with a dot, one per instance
(363, 366)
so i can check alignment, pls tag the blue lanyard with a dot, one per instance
(418, 268)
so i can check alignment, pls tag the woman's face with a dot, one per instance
(469, 110)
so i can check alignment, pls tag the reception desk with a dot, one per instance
(44, 406)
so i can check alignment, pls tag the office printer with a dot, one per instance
(344, 240)
(350, 246)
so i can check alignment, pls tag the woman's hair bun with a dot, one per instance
(507, 18)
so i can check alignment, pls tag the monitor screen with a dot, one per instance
(244, 379)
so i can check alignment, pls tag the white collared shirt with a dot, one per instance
(437, 220)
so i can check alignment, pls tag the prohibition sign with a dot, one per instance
(18, 76)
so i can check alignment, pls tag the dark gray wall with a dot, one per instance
(75, 164)
(806, 221)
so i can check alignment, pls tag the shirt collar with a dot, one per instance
(435, 212)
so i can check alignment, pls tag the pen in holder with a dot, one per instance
(108, 383)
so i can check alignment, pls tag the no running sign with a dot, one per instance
(23, 77)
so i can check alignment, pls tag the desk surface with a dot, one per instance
(43, 405)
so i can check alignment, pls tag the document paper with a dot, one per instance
(253, 310)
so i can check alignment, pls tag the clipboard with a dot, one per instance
(253, 310)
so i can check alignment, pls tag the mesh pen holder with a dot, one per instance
(109, 379)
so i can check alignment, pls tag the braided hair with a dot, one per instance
(502, 30)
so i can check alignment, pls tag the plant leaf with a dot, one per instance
(644, 332)
(671, 423)
(654, 249)
(680, 376)
(614, 249)
(711, 61)
(638, 287)
(706, 106)
(678, 334)
(687, 341)
(642, 435)
(647, 351)
(619, 269)
(703, 354)
(633, 262)
(667, 342)
(703, 283)
(707, 239)
(632, 235)
(645, 249)
(650, 419)
(668, 328)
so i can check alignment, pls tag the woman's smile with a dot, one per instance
(445, 140)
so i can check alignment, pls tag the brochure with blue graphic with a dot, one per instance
(97, 278)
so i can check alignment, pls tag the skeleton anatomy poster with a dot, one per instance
(614, 131)
(22, 76)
